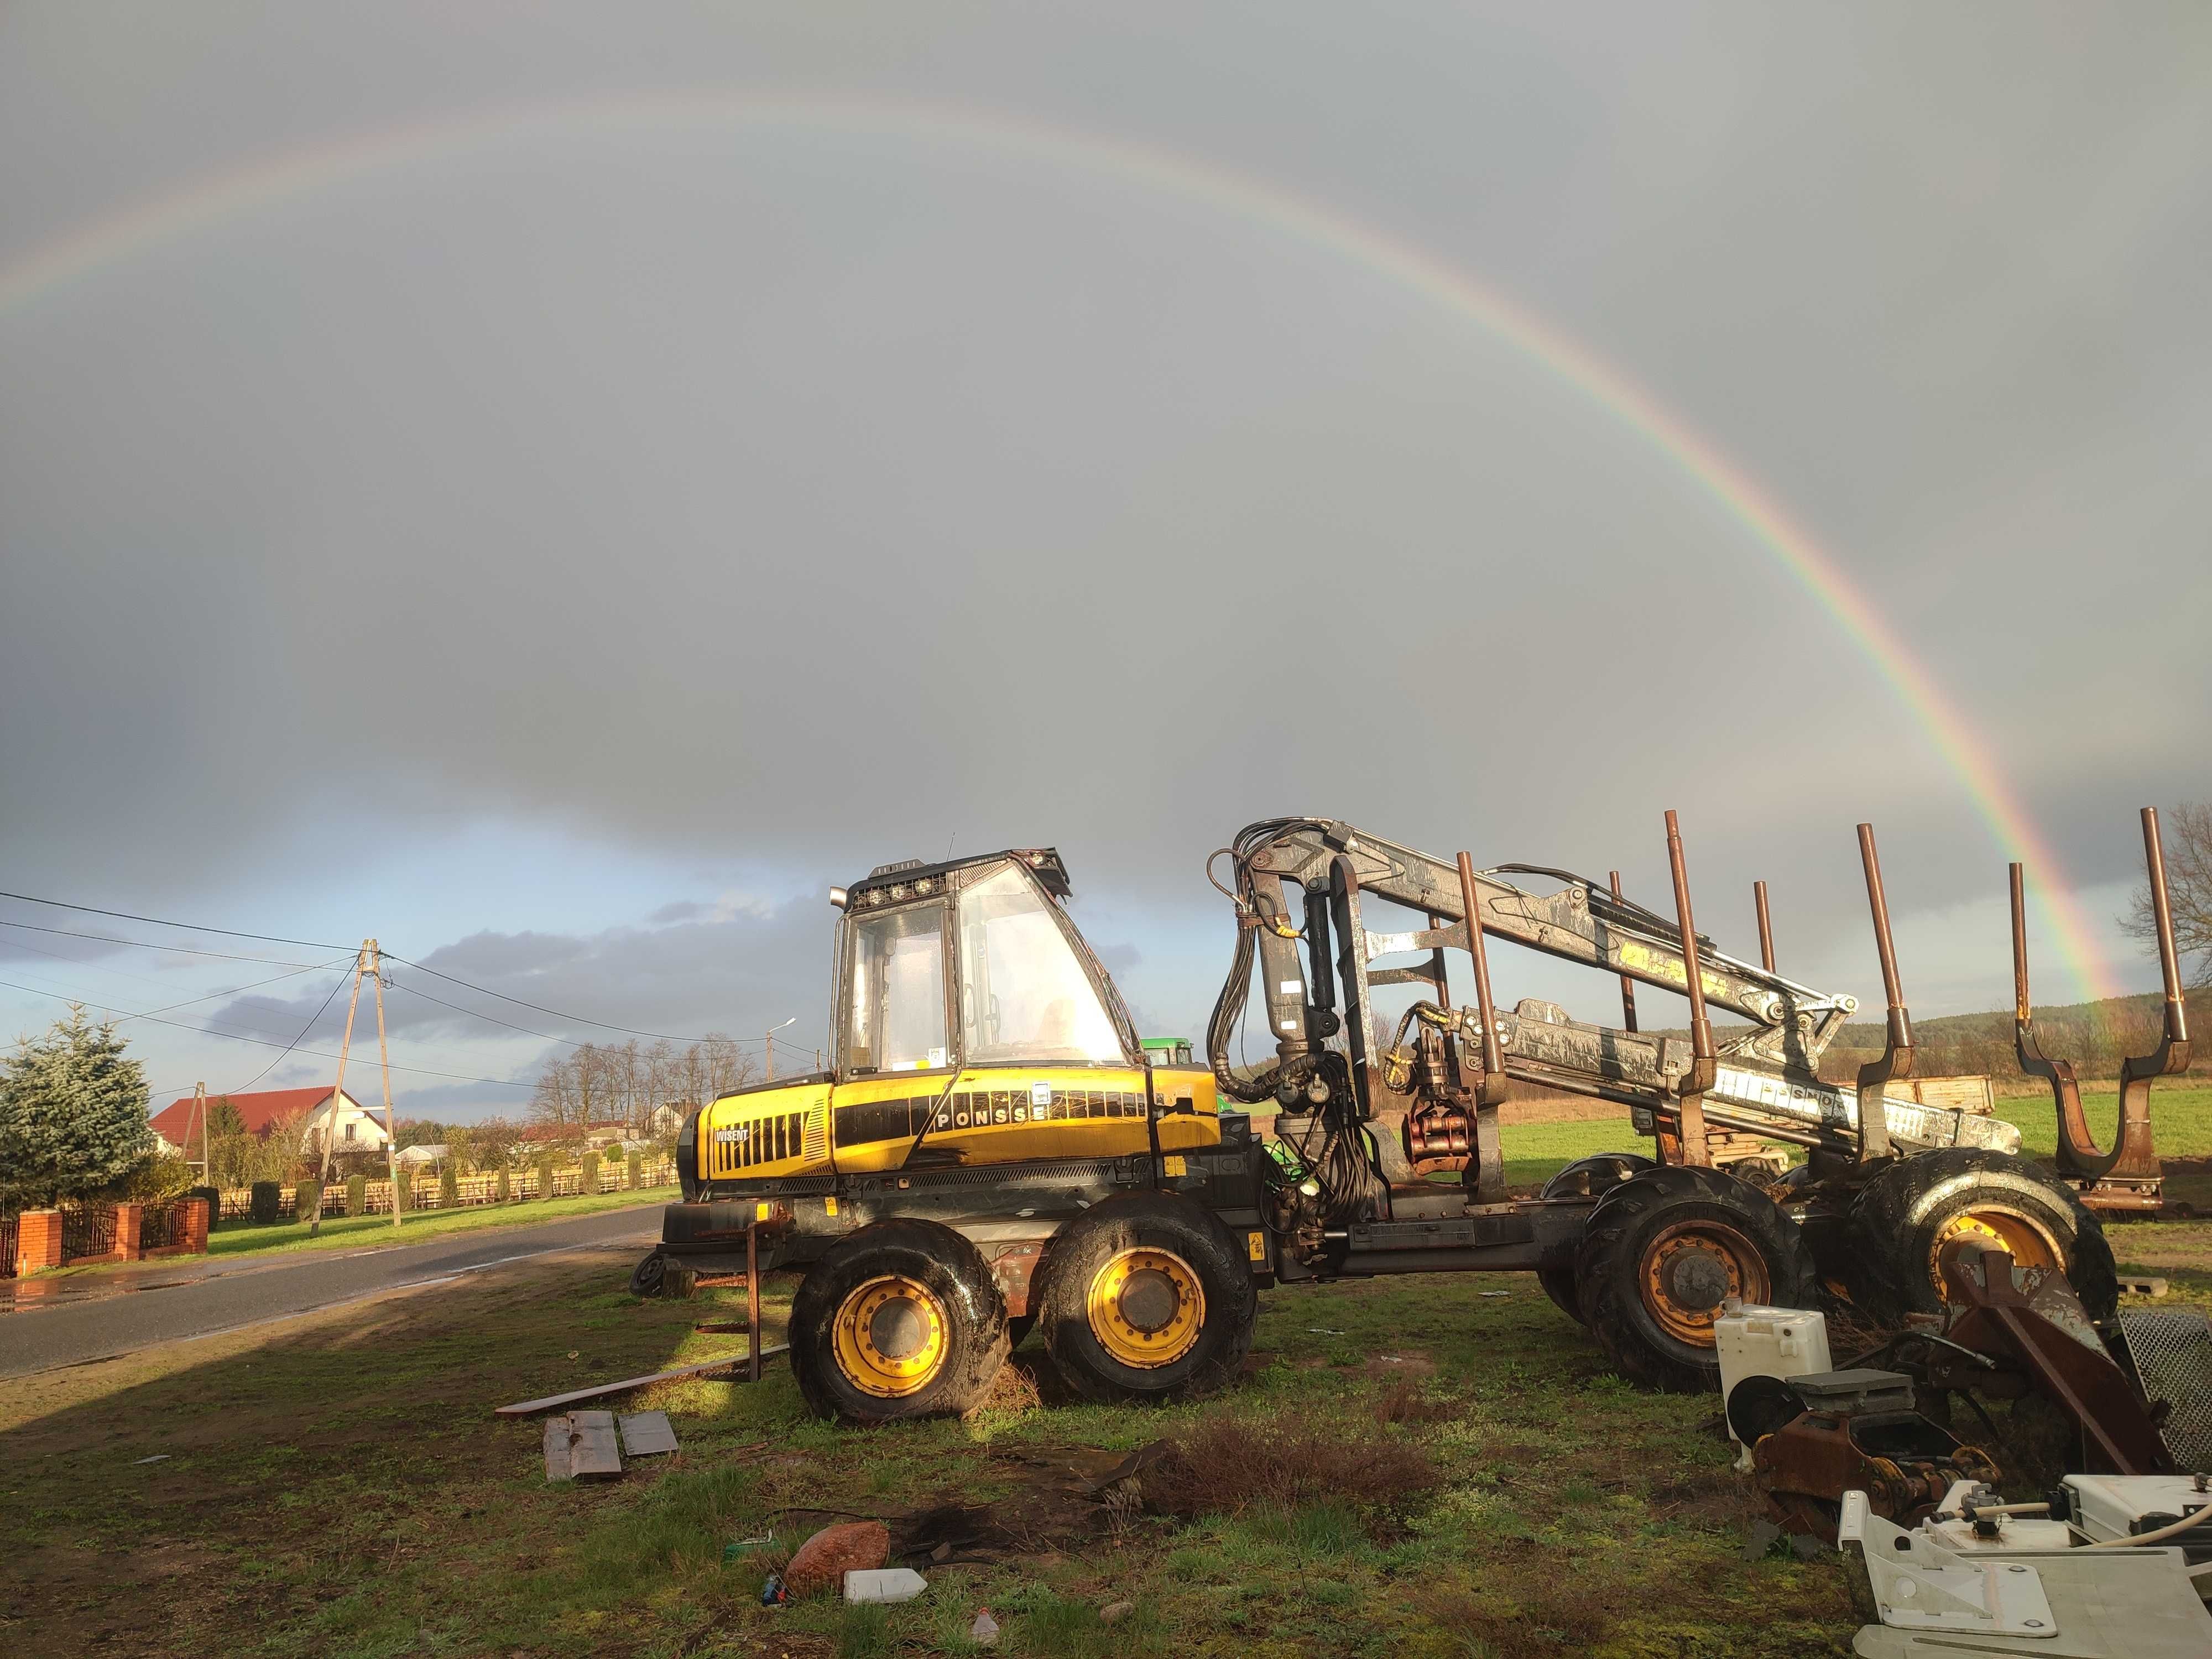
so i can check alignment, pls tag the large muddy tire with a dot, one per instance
(1663, 1250)
(650, 1276)
(900, 1320)
(1146, 1297)
(1904, 1220)
(1586, 1177)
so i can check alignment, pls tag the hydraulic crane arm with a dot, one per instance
(1583, 922)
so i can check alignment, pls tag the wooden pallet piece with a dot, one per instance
(581, 1446)
(553, 1401)
(646, 1434)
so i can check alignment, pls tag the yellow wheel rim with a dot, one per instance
(1690, 1269)
(1994, 1228)
(890, 1337)
(1146, 1308)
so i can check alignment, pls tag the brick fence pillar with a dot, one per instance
(38, 1242)
(195, 1224)
(130, 1231)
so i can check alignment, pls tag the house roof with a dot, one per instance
(179, 1119)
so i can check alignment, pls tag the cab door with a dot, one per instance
(894, 1043)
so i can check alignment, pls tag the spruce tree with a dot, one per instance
(73, 1113)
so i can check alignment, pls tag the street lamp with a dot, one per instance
(770, 1036)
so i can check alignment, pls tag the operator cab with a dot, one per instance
(977, 959)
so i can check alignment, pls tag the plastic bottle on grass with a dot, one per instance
(984, 1633)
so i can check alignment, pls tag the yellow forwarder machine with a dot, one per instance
(993, 1145)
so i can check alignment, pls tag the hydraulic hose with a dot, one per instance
(1236, 989)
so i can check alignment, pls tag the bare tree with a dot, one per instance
(558, 1097)
(724, 1064)
(495, 1139)
(2188, 838)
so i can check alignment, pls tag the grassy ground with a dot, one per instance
(339, 1485)
(359, 1232)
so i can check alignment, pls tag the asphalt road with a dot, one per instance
(104, 1319)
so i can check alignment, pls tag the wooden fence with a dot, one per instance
(474, 1190)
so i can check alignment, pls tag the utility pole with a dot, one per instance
(207, 1161)
(384, 1053)
(337, 1092)
(772, 1030)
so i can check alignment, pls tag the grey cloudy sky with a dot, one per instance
(495, 478)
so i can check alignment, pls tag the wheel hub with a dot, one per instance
(1693, 1266)
(1697, 1281)
(899, 1329)
(891, 1336)
(1149, 1300)
(1146, 1308)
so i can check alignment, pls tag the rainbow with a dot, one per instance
(211, 199)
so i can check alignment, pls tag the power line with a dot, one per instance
(148, 945)
(296, 1041)
(628, 1030)
(401, 985)
(237, 991)
(185, 927)
(210, 996)
(264, 1042)
(474, 1013)
(315, 944)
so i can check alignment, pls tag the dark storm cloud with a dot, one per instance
(821, 495)
(683, 982)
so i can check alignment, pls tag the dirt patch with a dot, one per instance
(1229, 1465)
(1406, 1401)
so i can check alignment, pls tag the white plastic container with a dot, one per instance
(884, 1584)
(2111, 1505)
(1756, 1341)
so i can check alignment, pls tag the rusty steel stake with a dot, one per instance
(1489, 1158)
(2077, 1155)
(1766, 927)
(752, 1302)
(1627, 985)
(1896, 1061)
(1703, 1068)
(2133, 1158)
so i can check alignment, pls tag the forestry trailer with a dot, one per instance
(994, 1148)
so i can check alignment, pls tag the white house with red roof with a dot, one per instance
(178, 1126)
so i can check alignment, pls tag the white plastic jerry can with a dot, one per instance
(1757, 1341)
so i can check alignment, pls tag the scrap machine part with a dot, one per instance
(1922, 1598)
(2029, 1322)
(2171, 1350)
(1853, 1429)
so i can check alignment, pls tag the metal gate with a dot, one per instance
(86, 1230)
(162, 1226)
(7, 1247)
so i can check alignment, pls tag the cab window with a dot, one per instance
(1024, 994)
(895, 1019)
